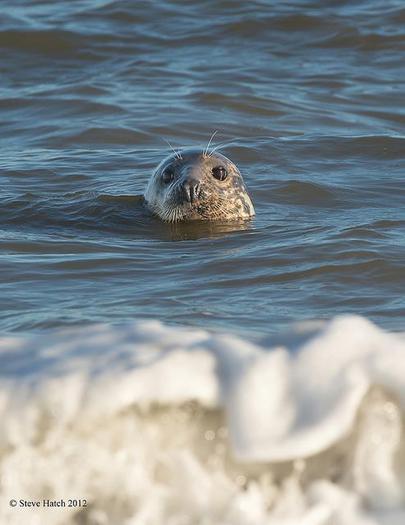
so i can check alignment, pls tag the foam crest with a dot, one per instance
(156, 424)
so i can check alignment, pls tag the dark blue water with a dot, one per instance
(308, 99)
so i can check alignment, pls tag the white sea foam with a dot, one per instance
(160, 425)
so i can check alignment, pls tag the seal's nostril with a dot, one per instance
(191, 189)
(196, 190)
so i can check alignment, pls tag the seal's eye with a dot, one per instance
(219, 172)
(168, 175)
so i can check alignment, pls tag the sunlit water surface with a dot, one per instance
(308, 99)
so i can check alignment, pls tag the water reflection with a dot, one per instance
(195, 230)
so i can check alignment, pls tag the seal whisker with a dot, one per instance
(177, 154)
(215, 149)
(223, 144)
(209, 143)
(171, 213)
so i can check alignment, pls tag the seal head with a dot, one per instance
(193, 185)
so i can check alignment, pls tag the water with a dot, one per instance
(307, 98)
(281, 420)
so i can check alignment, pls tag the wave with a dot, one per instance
(155, 424)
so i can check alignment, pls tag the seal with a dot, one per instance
(195, 185)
